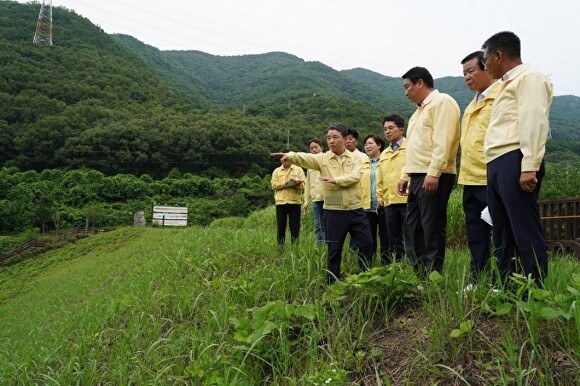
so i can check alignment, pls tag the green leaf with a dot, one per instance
(503, 308)
(456, 333)
(466, 326)
(549, 313)
(540, 294)
(306, 311)
(435, 277)
(576, 280)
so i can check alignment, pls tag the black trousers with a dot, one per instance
(396, 219)
(517, 228)
(377, 222)
(427, 223)
(478, 231)
(283, 213)
(338, 223)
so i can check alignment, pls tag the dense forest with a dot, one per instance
(112, 105)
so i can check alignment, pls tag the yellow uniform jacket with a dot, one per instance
(345, 193)
(519, 119)
(433, 136)
(472, 167)
(388, 174)
(285, 191)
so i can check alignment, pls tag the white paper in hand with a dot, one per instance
(485, 216)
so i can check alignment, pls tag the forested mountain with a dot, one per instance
(260, 83)
(88, 101)
(114, 104)
(256, 81)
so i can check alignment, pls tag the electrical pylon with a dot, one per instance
(43, 34)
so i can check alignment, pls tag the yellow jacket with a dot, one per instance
(433, 137)
(388, 174)
(472, 167)
(313, 187)
(285, 191)
(345, 193)
(519, 119)
(365, 183)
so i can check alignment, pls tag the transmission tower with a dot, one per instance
(43, 34)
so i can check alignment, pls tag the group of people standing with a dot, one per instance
(396, 194)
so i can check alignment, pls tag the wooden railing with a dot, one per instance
(32, 247)
(561, 223)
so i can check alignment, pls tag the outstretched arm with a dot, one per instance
(280, 156)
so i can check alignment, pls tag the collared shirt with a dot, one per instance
(345, 193)
(507, 75)
(396, 145)
(473, 168)
(285, 190)
(481, 95)
(360, 155)
(519, 119)
(433, 137)
(389, 172)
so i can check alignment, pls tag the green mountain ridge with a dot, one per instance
(252, 79)
(115, 104)
(249, 80)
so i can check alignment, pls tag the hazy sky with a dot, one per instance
(387, 37)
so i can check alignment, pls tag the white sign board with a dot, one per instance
(170, 209)
(170, 216)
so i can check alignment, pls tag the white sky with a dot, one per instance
(387, 37)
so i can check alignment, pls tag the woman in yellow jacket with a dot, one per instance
(373, 145)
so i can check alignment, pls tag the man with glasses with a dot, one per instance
(514, 148)
(472, 168)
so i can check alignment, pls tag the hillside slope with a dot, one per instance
(223, 305)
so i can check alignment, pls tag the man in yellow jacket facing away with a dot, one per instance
(472, 167)
(288, 184)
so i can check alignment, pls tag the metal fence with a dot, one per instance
(561, 223)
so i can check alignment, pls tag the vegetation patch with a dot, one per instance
(223, 306)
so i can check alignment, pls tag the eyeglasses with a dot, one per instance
(486, 58)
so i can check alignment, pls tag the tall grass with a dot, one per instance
(225, 306)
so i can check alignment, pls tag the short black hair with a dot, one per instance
(352, 132)
(419, 73)
(315, 140)
(476, 54)
(506, 42)
(338, 127)
(397, 119)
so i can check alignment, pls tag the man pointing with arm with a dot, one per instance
(341, 173)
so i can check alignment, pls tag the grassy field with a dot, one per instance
(223, 306)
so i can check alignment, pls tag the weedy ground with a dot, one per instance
(224, 306)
